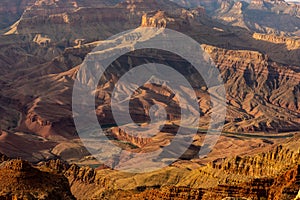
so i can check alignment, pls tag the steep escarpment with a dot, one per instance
(62, 21)
(253, 83)
(256, 189)
(261, 165)
(121, 135)
(291, 43)
(284, 186)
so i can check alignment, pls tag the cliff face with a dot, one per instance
(69, 20)
(290, 43)
(267, 164)
(250, 83)
(121, 135)
(256, 189)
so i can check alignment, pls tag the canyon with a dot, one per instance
(43, 44)
(264, 16)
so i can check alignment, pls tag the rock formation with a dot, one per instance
(271, 175)
(19, 180)
(290, 43)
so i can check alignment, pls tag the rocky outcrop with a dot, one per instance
(58, 166)
(157, 19)
(178, 20)
(261, 165)
(290, 43)
(257, 2)
(256, 189)
(286, 186)
(84, 175)
(121, 135)
(19, 180)
(42, 40)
